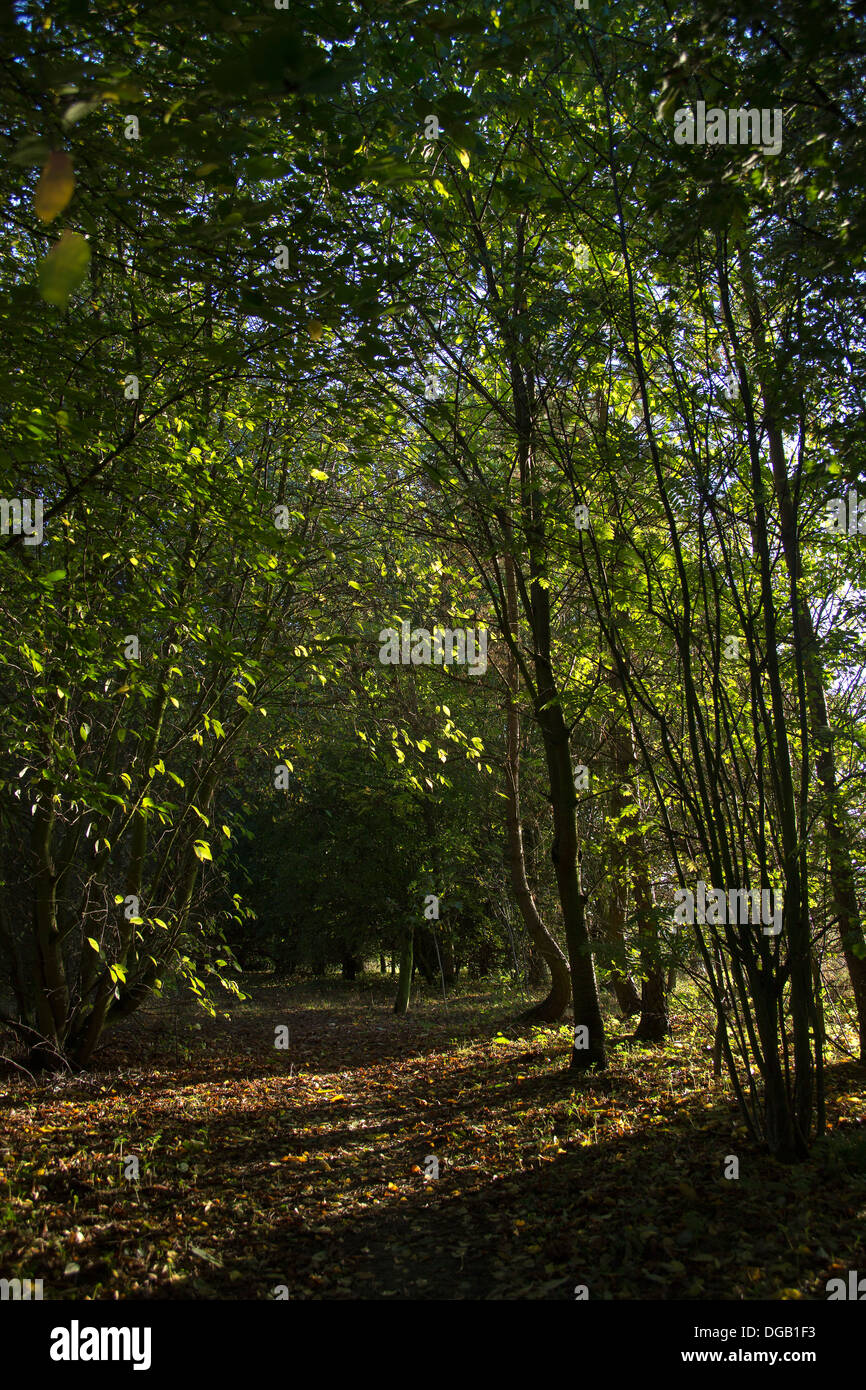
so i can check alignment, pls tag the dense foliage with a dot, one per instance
(333, 328)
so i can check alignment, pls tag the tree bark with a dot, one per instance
(404, 983)
(844, 893)
(654, 1024)
(52, 995)
(615, 908)
(551, 1008)
(588, 1050)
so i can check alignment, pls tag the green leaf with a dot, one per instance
(31, 149)
(77, 111)
(64, 268)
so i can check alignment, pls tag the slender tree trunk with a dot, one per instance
(589, 1043)
(551, 1008)
(404, 984)
(446, 956)
(611, 918)
(589, 1049)
(589, 1027)
(616, 899)
(52, 996)
(788, 1107)
(654, 1024)
(843, 890)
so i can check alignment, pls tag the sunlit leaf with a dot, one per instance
(64, 268)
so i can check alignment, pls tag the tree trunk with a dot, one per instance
(654, 1024)
(588, 1049)
(589, 1027)
(446, 955)
(424, 951)
(611, 920)
(844, 893)
(615, 908)
(792, 1106)
(404, 984)
(52, 997)
(551, 1008)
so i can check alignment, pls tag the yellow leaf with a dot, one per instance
(55, 187)
(315, 329)
(440, 188)
(464, 158)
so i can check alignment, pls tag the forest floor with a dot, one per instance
(303, 1170)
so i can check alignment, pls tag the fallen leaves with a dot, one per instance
(310, 1171)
